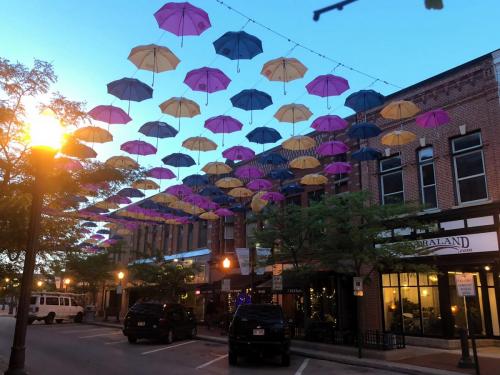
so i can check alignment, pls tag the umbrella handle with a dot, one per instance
(238, 66)
(328, 106)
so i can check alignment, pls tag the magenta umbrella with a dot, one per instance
(238, 153)
(329, 123)
(109, 114)
(160, 173)
(259, 184)
(248, 171)
(209, 205)
(433, 119)
(182, 19)
(138, 148)
(327, 85)
(207, 80)
(179, 190)
(224, 212)
(332, 148)
(338, 167)
(195, 199)
(223, 124)
(273, 196)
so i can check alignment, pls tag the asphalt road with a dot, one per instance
(79, 349)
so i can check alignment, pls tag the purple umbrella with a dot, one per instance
(179, 190)
(338, 167)
(259, 184)
(224, 212)
(239, 153)
(207, 79)
(332, 148)
(182, 19)
(248, 172)
(195, 199)
(329, 123)
(327, 85)
(97, 236)
(209, 205)
(109, 114)
(223, 124)
(273, 196)
(138, 148)
(433, 119)
(160, 173)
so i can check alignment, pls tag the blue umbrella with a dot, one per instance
(211, 191)
(263, 135)
(130, 89)
(158, 129)
(131, 193)
(293, 188)
(178, 160)
(250, 100)
(103, 231)
(281, 174)
(89, 224)
(366, 153)
(364, 100)
(116, 237)
(78, 199)
(238, 208)
(273, 158)
(150, 205)
(95, 210)
(364, 130)
(195, 180)
(238, 45)
(224, 199)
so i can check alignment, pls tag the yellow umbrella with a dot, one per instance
(180, 107)
(283, 69)
(313, 179)
(121, 162)
(398, 138)
(399, 109)
(154, 58)
(193, 210)
(216, 167)
(199, 144)
(93, 134)
(107, 205)
(240, 192)
(228, 183)
(304, 162)
(209, 216)
(258, 203)
(145, 184)
(164, 198)
(177, 205)
(299, 143)
(293, 113)
(110, 225)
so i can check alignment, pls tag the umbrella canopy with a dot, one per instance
(327, 85)
(283, 70)
(228, 183)
(240, 192)
(365, 154)
(160, 173)
(364, 100)
(121, 162)
(263, 135)
(272, 158)
(223, 124)
(182, 19)
(211, 191)
(89, 224)
(131, 193)
(207, 79)
(258, 203)
(273, 196)
(332, 148)
(195, 180)
(224, 199)
(119, 199)
(93, 134)
(103, 231)
(68, 164)
(248, 172)
(138, 148)
(337, 168)
(399, 109)
(433, 119)
(398, 138)
(164, 198)
(109, 114)
(78, 150)
(178, 160)
(313, 179)
(130, 89)
(216, 168)
(304, 162)
(250, 100)
(299, 143)
(281, 174)
(180, 107)
(238, 153)
(107, 205)
(154, 58)
(293, 188)
(329, 123)
(158, 130)
(293, 113)
(260, 184)
(238, 45)
(364, 130)
(199, 144)
(223, 212)
(179, 190)
(209, 216)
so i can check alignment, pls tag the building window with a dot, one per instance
(190, 236)
(468, 162)
(391, 180)
(229, 228)
(427, 177)
(166, 236)
(180, 235)
(294, 199)
(203, 239)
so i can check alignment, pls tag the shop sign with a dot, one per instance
(465, 285)
(262, 254)
(226, 285)
(278, 282)
(243, 254)
(358, 286)
(461, 244)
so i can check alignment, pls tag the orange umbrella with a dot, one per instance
(180, 107)
(299, 143)
(121, 162)
(209, 216)
(199, 144)
(399, 109)
(154, 58)
(216, 168)
(145, 184)
(304, 162)
(293, 113)
(313, 179)
(228, 183)
(398, 138)
(240, 192)
(258, 203)
(164, 198)
(284, 70)
(93, 134)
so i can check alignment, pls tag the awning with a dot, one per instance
(180, 256)
(290, 286)
(238, 283)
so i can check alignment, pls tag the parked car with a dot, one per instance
(259, 329)
(153, 320)
(57, 307)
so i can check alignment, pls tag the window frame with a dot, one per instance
(421, 164)
(388, 172)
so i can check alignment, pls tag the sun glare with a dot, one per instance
(45, 131)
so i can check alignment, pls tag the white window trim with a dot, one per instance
(393, 171)
(457, 179)
(421, 164)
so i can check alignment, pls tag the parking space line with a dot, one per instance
(168, 347)
(101, 334)
(116, 342)
(79, 330)
(212, 361)
(302, 367)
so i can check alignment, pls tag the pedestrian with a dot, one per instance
(210, 312)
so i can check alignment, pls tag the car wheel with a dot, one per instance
(193, 332)
(132, 339)
(49, 319)
(285, 360)
(232, 359)
(78, 318)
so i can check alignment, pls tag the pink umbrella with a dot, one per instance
(327, 85)
(182, 220)
(224, 212)
(273, 196)
(332, 148)
(329, 123)
(207, 80)
(433, 119)
(239, 153)
(338, 167)
(109, 114)
(97, 236)
(248, 172)
(68, 164)
(259, 184)
(138, 148)
(179, 190)
(223, 124)
(160, 173)
(209, 205)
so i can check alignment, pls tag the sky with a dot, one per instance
(396, 41)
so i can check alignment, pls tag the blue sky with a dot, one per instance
(88, 43)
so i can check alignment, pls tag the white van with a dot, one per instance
(58, 307)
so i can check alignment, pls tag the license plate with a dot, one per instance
(141, 324)
(258, 332)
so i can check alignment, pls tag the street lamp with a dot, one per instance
(45, 138)
(119, 291)
(121, 275)
(66, 281)
(39, 283)
(7, 280)
(226, 263)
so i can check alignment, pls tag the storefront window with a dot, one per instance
(493, 303)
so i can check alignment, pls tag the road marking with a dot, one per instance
(101, 334)
(80, 330)
(116, 342)
(168, 347)
(212, 361)
(302, 367)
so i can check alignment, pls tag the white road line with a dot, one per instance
(80, 330)
(168, 347)
(212, 361)
(116, 342)
(302, 367)
(101, 334)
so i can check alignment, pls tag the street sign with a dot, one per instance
(119, 289)
(277, 269)
(226, 285)
(358, 286)
(278, 282)
(465, 285)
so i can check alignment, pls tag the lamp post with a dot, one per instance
(67, 281)
(45, 139)
(119, 291)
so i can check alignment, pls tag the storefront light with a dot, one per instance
(487, 268)
(425, 292)
(433, 278)
(454, 309)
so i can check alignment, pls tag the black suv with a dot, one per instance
(165, 322)
(259, 329)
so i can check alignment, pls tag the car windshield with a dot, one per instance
(261, 313)
(147, 308)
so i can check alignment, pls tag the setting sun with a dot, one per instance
(45, 130)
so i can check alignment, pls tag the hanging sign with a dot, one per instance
(243, 254)
(226, 285)
(262, 254)
(277, 269)
(358, 286)
(465, 285)
(277, 282)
